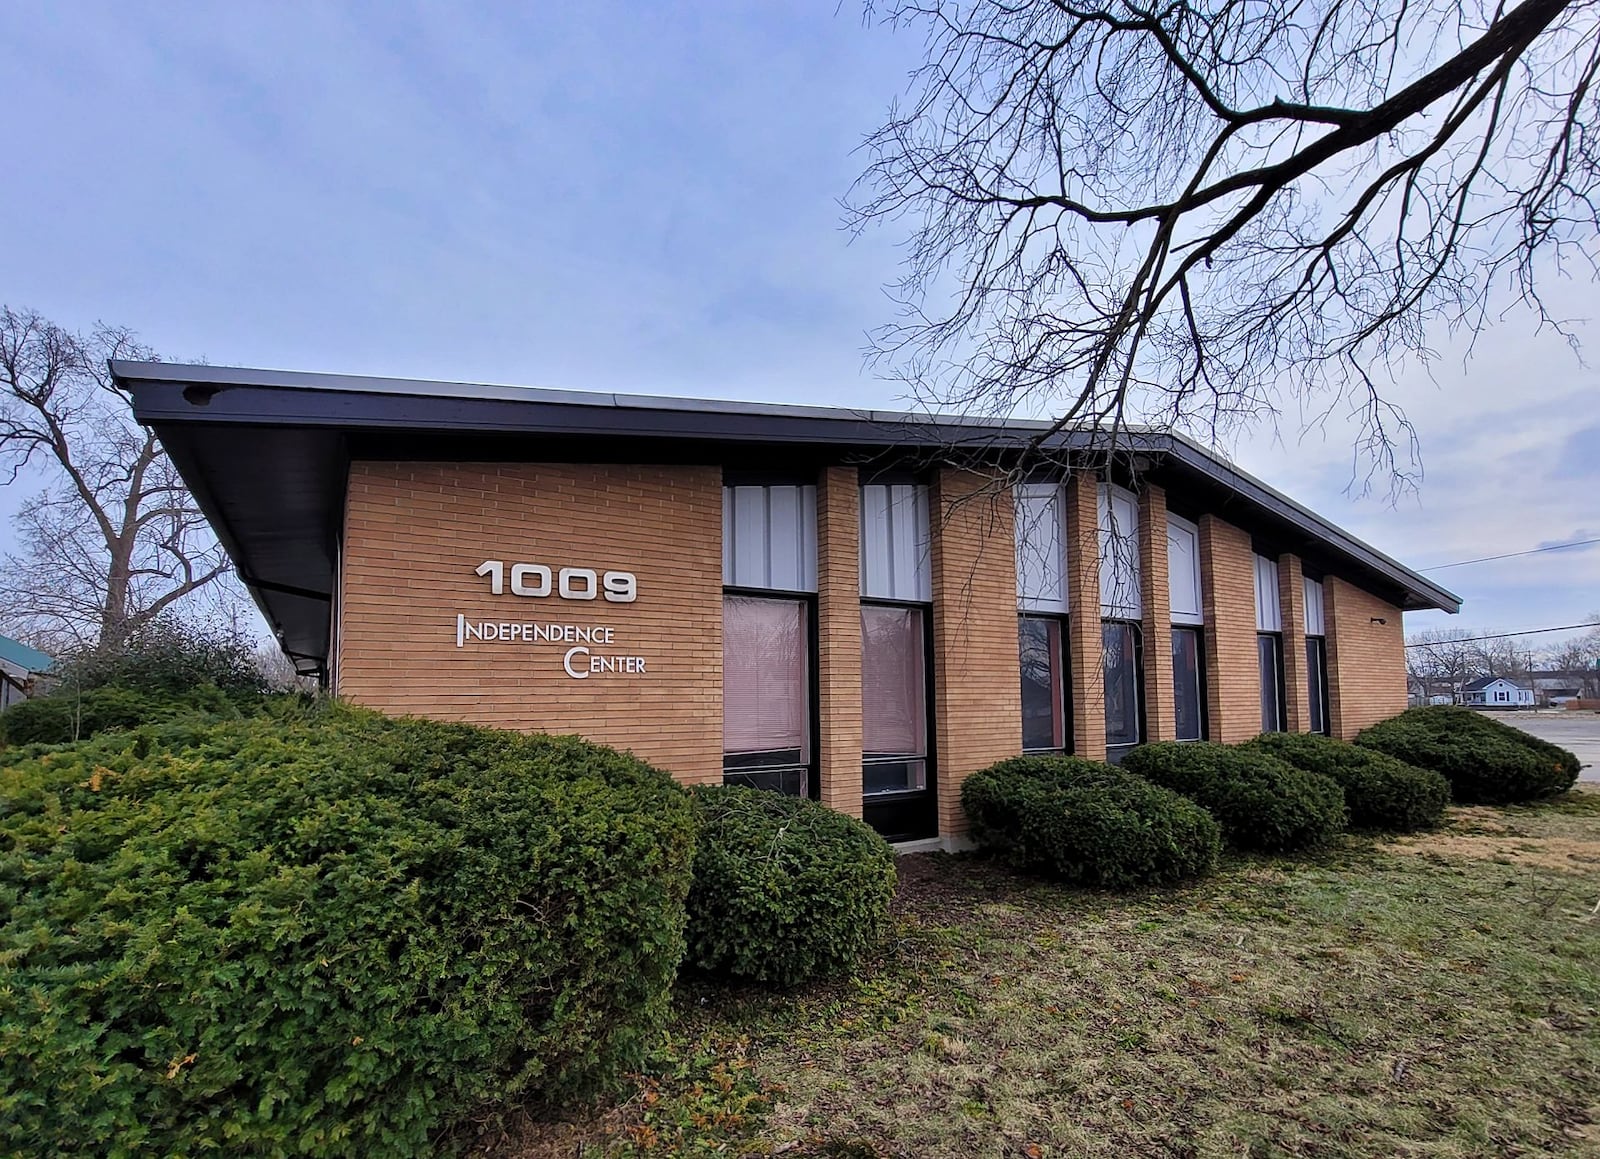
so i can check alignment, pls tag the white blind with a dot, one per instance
(1183, 571)
(1316, 623)
(894, 542)
(893, 694)
(1119, 554)
(764, 700)
(769, 538)
(1041, 548)
(1269, 611)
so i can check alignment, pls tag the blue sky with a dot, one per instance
(619, 197)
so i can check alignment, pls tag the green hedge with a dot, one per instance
(64, 717)
(1088, 823)
(324, 937)
(1261, 802)
(1486, 762)
(784, 889)
(1381, 792)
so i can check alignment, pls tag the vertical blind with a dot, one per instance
(1183, 571)
(1316, 624)
(895, 542)
(769, 538)
(1269, 611)
(764, 678)
(1119, 554)
(1041, 548)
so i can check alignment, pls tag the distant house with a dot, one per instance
(21, 668)
(1495, 692)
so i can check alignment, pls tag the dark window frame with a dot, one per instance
(1280, 706)
(1317, 685)
(1114, 751)
(1064, 658)
(813, 767)
(929, 722)
(1202, 710)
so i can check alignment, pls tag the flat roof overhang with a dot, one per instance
(267, 453)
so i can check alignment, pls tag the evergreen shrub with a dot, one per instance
(1088, 823)
(326, 936)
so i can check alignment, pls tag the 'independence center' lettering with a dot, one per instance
(579, 662)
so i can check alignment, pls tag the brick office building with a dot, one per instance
(859, 606)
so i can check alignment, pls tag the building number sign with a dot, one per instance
(536, 581)
(570, 583)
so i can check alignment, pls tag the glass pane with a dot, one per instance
(894, 731)
(766, 710)
(1120, 646)
(1267, 647)
(1044, 724)
(1186, 694)
(1317, 684)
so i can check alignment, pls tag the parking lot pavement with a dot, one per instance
(1578, 731)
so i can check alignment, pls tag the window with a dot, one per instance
(1124, 682)
(1119, 554)
(894, 699)
(896, 585)
(1041, 548)
(1269, 646)
(1317, 682)
(769, 570)
(1269, 643)
(894, 542)
(1188, 688)
(766, 702)
(1044, 684)
(1316, 657)
(1183, 571)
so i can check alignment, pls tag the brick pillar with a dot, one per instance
(1366, 659)
(977, 676)
(839, 638)
(1159, 722)
(1228, 593)
(1085, 645)
(1292, 608)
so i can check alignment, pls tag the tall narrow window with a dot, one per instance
(1188, 619)
(1188, 689)
(894, 700)
(766, 711)
(1041, 624)
(769, 575)
(1316, 657)
(896, 587)
(1269, 643)
(1044, 684)
(1124, 685)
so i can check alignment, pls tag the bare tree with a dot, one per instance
(115, 539)
(1189, 213)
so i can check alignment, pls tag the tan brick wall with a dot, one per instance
(1233, 675)
(839, 637)
(415, 532)
(1085, 644)
(1159, 721)
(977, 673)
(1366, 661)
(1292, 607)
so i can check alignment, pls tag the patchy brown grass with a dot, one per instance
(1435, 996)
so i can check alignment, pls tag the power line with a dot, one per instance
(1499, 636)
(1513, 554)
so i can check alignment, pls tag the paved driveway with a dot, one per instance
(1578, 731)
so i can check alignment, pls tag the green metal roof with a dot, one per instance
(13, 652)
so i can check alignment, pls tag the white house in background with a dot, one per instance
(1495, 692)
(20, 670)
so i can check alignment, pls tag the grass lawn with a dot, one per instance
(1431, 996)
